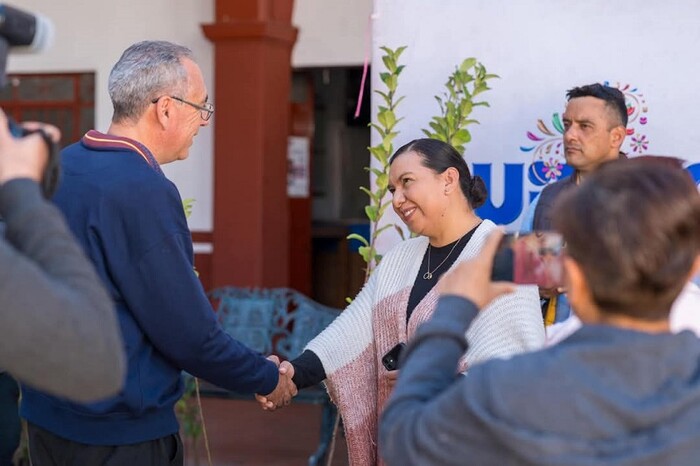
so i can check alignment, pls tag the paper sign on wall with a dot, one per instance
(298, 166)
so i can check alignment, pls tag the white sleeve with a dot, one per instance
(350, 333)
(511, 324)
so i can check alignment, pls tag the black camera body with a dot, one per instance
(21, 32)
(52, 171)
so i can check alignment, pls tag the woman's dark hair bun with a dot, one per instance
(477, 192)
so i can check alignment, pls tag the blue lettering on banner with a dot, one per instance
(512, 206)
(694, 170)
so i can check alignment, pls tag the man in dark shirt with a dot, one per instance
(595, 122)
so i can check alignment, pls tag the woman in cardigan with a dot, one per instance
(435, 196)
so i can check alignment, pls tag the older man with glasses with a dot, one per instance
(130, 221)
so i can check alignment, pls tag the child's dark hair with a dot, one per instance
(633, 226)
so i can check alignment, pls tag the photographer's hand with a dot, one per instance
(24, 157)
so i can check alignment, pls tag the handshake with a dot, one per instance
(284, 392)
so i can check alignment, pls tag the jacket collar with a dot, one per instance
(96, 140)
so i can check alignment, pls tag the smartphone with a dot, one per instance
(530, 259)
(391, 359)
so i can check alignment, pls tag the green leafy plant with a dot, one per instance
(188, 412)
(463, 86)
(188, 408)
(467, 81)
(386, 127)
(187, 205)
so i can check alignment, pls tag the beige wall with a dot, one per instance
(331, 32)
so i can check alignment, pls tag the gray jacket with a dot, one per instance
(60, 332)
(604, 396)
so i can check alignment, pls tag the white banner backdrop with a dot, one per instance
(540, 49)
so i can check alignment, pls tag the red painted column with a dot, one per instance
(253, 40)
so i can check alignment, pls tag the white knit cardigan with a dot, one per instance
(352, 346)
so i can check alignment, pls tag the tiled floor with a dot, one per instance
(241, 434)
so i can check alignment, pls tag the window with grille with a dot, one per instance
(66, 100)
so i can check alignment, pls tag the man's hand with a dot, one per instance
(284, 392)
(472, 279)
(24, 157)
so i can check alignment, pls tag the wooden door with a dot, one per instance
(301, 125)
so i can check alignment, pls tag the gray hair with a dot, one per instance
(146, 71)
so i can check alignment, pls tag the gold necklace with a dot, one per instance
(429, 275)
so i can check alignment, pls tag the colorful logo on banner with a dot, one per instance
(547, 146)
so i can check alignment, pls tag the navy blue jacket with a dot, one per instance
(129, 219)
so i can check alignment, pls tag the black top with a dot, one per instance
(422, 286)
(308, 369)
(542, 220)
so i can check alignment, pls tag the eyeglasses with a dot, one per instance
(205, 110)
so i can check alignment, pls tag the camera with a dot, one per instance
(25, 32)
(530, 259)
(52, 171)
(21, 32)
